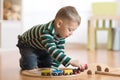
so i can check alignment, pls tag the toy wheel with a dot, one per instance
(42, 74)
(54, 74)
(48, 74)
(78, 71)
(74, 71)
(66, 74)
(59, 74)
(71, 73)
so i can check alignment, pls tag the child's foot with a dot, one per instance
(35, 71)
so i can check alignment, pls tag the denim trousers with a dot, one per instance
(32, 58)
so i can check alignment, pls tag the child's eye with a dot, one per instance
(70, 29)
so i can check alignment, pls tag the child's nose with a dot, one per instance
(70, 33)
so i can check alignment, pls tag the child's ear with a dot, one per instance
(59, 23)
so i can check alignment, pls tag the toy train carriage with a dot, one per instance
(50, 72)
(70, 71)
(67, 71)
(57, 72)
(46, 72)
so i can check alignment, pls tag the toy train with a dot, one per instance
(60, 72)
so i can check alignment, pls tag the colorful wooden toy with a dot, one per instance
(67, 71)
(46, 72)
(57, 72)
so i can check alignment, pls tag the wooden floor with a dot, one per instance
(10, 70)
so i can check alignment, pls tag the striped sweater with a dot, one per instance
(43, 37)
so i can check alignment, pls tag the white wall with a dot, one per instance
(42, 11)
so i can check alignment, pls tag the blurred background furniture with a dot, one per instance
(116, 38)
(101, 11)
(10, 23)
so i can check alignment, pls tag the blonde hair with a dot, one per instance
(70, 13)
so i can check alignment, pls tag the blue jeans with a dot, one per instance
(32, 58)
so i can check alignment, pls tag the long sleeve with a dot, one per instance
(55, 51)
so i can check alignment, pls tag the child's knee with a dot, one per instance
(27, 64)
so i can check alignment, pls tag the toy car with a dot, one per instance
(57, 72)
(67, 71)
(46, 72)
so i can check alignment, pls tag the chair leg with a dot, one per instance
(88, 44)
(110, 40)
(95, 39)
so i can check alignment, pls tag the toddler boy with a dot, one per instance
(42, 46)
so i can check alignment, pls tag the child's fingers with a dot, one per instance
(85, 66)
(81, 68)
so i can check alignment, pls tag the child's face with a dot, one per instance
(66, 28)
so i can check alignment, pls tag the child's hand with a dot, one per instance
(76, 63)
